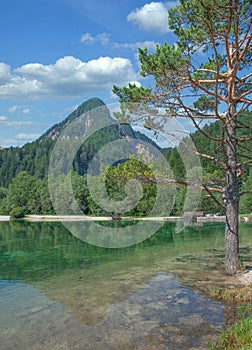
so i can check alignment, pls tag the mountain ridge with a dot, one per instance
(54, 131)
(27, 166)
(34, 156)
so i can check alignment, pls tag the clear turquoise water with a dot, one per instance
(57, 292)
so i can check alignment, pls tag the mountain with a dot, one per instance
(56, 130)
(23, 170)
(34, 157)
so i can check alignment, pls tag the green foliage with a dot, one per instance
(199, 88)
(195, 22)
(17, 213)
(134, 169)
(199, 26)
(56, 130)
(246, 199)
(23, 172)
(21, 191)
(3, 194)
(132, 93)
(204, 103)
(41, 203)
(33, 196)
(239, 336)
(34, 157)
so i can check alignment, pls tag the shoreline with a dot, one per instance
(56, 218)
(4, 218)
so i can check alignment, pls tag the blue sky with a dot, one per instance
(55, 54)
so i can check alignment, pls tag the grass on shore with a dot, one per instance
(239, 335)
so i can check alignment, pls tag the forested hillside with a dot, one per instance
(212, 172)
(34, 157)
(24, 171)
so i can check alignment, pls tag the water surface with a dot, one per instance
(58, 292)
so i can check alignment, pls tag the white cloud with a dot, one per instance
(19, 124)
(151, 45)
(12, 109)
(16, 124)
(7, 142)
(18, 140)
(23, 136)
(68, 77)
(16, 108)
(104, 39)
(88, 39)
(26, 111)
(152, 17)
(5, 73)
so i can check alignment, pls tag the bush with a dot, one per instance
(17, 213)
(239, 335)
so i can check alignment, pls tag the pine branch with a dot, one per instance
(245, 192)
(240, 97)
(244, 163)
(213, 196)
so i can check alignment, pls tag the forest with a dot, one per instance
(24, 173)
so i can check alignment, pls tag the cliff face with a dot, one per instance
(55, 130)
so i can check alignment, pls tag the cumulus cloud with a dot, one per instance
(5, 73)
(2, 118)
(152, 17)
(67, 77)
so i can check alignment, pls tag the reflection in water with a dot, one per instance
(161, 313)
(59, 293)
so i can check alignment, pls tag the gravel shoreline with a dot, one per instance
(50, 218)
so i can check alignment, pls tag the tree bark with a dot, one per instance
(231, 196)
(232, 236)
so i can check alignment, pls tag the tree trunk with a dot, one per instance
(231, 196)
(232, 236)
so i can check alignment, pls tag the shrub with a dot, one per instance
(17, 213)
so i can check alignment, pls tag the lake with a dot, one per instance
(60, 293)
